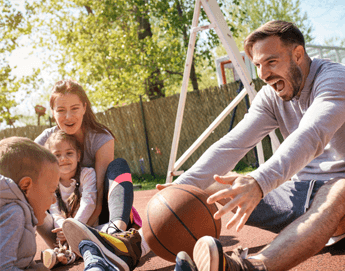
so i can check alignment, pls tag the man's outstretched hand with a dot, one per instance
(244, 193)
(162, 186)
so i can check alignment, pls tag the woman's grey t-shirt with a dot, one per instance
(92, 143)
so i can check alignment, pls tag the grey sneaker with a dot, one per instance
(208, 256)
(122, 248)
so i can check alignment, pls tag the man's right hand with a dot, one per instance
(244, 193)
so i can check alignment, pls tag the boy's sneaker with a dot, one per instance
(208, 256)
(184, 262)
(122, 249)
(48, 258)
(94, 257)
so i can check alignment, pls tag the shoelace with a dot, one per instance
(113, 226)
(127, 233)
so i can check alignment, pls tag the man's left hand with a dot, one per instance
(244, 193)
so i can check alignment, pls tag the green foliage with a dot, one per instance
(13, 26)
(251, 14)
(116, 49)
(335, 41)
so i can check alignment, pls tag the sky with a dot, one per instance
(326, 16)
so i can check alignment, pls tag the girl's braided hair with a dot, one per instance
(74, 199)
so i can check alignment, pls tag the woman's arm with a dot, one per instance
(104, 156)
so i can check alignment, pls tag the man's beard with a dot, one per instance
(296, 77)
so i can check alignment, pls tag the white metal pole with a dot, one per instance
(183, 94)
(209, 130)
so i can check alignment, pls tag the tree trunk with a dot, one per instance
(154, 85)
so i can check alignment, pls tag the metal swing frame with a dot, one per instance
(219, 24)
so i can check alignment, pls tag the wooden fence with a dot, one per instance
(127, 125)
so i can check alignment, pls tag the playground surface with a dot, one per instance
(330, 259)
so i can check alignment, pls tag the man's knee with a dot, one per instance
(331, 195)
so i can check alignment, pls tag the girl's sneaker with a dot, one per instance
(51, 257)
(48, 258)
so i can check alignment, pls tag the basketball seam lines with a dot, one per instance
(166, 204)
(148, 220)
(214, 223)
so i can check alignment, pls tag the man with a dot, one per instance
(305, 99)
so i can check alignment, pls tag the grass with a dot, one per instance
(148, 182)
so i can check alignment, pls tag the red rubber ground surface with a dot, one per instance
(329, 259)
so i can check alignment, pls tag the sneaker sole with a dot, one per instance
(208, 254)
(106, 258)
(48, 258)
(76, 231)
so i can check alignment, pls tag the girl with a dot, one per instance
(72, 111)
(76, 195)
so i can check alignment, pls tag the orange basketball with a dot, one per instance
(176, 217)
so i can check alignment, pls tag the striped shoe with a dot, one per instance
(122, 248)
(208, 256)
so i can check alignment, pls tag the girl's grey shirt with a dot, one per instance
(92, 142)
(17, 224)
(313, 128)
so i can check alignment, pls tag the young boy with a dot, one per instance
(29, 175)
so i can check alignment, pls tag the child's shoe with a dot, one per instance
(94, 257)
(51, 257)
(48, 258)
(208, 256)
(122, 248)
(184, 262)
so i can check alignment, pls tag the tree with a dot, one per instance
(335, 41)
(120, 49)
(248, 15)
(13, 26)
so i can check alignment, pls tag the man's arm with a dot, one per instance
(223, 155)
(320, 122)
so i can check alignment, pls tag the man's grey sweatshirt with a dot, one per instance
(313, 127)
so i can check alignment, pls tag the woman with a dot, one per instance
(72, 111)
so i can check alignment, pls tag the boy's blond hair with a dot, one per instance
(21, 157)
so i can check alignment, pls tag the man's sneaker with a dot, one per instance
(123, 249)
(208, 256)
(94, 257)
(184, 262)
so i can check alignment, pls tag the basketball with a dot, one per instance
(175, 218)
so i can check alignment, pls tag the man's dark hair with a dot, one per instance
(288, 33)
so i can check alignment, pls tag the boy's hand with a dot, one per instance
(60, 237)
